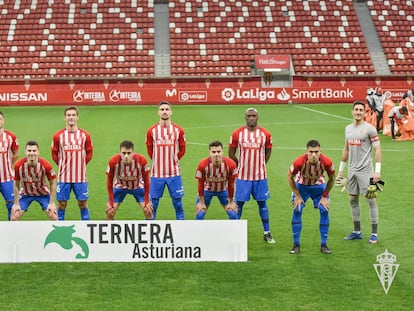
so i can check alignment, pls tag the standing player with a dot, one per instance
(254, 144)
(166, 144)
(127, 173)
(306, 179)
(216, 175)
(30, 177)
(360, 139)
(72, 150)
(9, 152)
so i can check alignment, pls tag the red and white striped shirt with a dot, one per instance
(216, 178)
(309, 174)
(72, 148)
(252, 146)
(8, 145)
(165, 146)
(33, 178)
(130, 176)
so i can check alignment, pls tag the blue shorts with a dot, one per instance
(119, 194)
(26, 200)
(80, 189)
(314, 192)
(174, 185)
(258, 189)
(223, 197)
(7, 190)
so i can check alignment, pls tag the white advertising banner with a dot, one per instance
(123, 241)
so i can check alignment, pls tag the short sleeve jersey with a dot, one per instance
(33, 178)
(71, 147)
(395, 112)
(360, 140)
(311, 174)
(130, 176)
(8, 144)
(164, 142)
(251, 146)
(216, 177)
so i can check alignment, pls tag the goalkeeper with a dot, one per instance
(361, 140)
(128, 173)
(216, 175)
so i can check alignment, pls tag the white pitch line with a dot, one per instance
(324, 113)
(295, 148)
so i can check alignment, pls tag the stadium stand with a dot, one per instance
(394, 23)
(222, 37)
(58, 39)
(117, 39)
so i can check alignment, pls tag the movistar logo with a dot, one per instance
(63, 236)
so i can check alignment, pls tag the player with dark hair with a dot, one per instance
(361, 138)
(166, 145)
(30, 185)
(9, 152)
(72, 150)
(216, 175)
(254, 144)
(307, 181)
(127, 173)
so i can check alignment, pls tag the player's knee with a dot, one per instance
(354, 201)
(62, 204)
(82, 204)
(9, 204)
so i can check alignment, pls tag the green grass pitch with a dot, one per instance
(272, 279)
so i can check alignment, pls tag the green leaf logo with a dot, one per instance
(63, 236)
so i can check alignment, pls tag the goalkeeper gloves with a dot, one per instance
(341, 182)
(373, 188)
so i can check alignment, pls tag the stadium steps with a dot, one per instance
(369, 30)
(162, 40)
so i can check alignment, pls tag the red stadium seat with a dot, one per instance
(239, 29)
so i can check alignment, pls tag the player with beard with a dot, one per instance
(254, 145)
(216, 175)
(166, 145)
(307, 181)
(30, 184)
(361, 139)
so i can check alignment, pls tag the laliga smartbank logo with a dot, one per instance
(229, 94)
(386, 269)
(63, 236)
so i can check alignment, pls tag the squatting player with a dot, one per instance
(127, 173)
(306, 179)
(361, 138)
(72, 150)
(216, 175)
(30, 184)
(254, 144)
(166, 145)
(9, 152)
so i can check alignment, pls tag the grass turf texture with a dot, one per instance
(272, 279)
